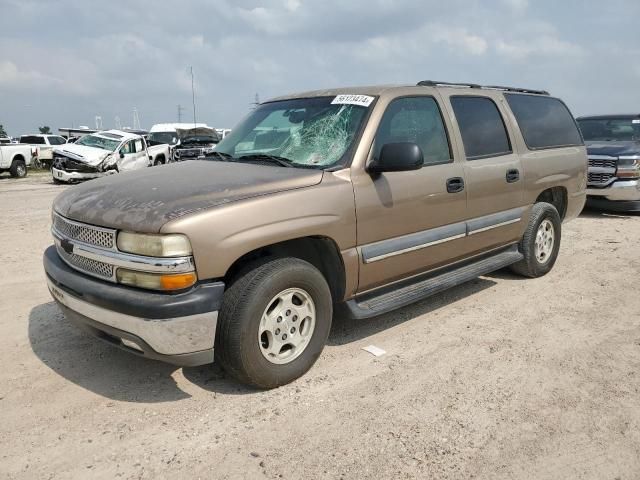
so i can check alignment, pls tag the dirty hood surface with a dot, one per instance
(144, 200)
(90, 155)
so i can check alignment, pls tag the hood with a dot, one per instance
(190, 132)
(90, 155)
(613, 149)
(144, 200)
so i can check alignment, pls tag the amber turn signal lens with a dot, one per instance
(155, 281)
(178, 281)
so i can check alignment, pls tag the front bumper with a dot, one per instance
(620, 190)
(175, 328)
(64, 176)
(622, 196)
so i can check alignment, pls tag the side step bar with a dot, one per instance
(403, 294)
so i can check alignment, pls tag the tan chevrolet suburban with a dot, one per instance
(362, 200)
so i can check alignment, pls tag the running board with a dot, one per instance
(377, 303)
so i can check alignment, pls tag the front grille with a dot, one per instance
(600, 178)
(602, 163)
(70, 165)
(100, 237)
(190, 152)
(87, 265)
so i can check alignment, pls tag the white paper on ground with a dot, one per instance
(372, 349)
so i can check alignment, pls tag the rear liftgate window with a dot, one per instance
(545, 122)
(481, 126)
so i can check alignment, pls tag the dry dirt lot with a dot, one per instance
(501, 378)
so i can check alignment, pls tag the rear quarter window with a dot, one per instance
(545, 122)
(481, 127)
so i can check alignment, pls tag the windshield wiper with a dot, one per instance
(225, 157)
(264, 157)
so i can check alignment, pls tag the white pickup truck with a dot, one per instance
(99, 154)
(44, 145)
(15, 158)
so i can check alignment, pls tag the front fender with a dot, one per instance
(221, 235)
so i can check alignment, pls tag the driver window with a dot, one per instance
(128, 148)
(417, 120)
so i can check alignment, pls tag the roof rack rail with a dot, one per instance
(516, 89)
(434, 83)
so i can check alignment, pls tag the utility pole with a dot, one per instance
(256, 101)
(180, 109)
(193, 98)
(136, 119)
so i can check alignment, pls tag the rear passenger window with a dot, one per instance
(545, 122)
(481, 126)
(416, 120)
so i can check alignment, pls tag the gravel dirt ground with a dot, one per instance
(501, 378)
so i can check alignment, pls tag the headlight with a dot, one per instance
(171, 245)
(628, 167)
(155, 281)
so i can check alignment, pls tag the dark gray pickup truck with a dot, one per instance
(613, 147)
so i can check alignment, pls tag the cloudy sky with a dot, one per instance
(64, 62)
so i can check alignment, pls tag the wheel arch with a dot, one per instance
(556, 196)
(320, 251)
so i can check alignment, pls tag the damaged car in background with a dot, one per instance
(173, 142)
(99, 154)
(195, 143)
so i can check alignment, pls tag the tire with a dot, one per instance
(18, 169)
(240, 348)
(57, 182)
(538, 261)
(158, 161)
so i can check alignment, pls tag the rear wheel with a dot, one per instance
(18, 169)
(274, 322)
(541, 242)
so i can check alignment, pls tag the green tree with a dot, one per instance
(44, 130)
(3, 133)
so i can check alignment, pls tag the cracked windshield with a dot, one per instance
(303, 132)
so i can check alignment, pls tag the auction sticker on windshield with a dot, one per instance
(362, 100)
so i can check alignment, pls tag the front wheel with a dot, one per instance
(274, 322)
(541, 241)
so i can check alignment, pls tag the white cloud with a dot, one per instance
(545, 46)
(461, 39)
(517, 5)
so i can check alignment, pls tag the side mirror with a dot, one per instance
(121, 154)
(397, 157)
